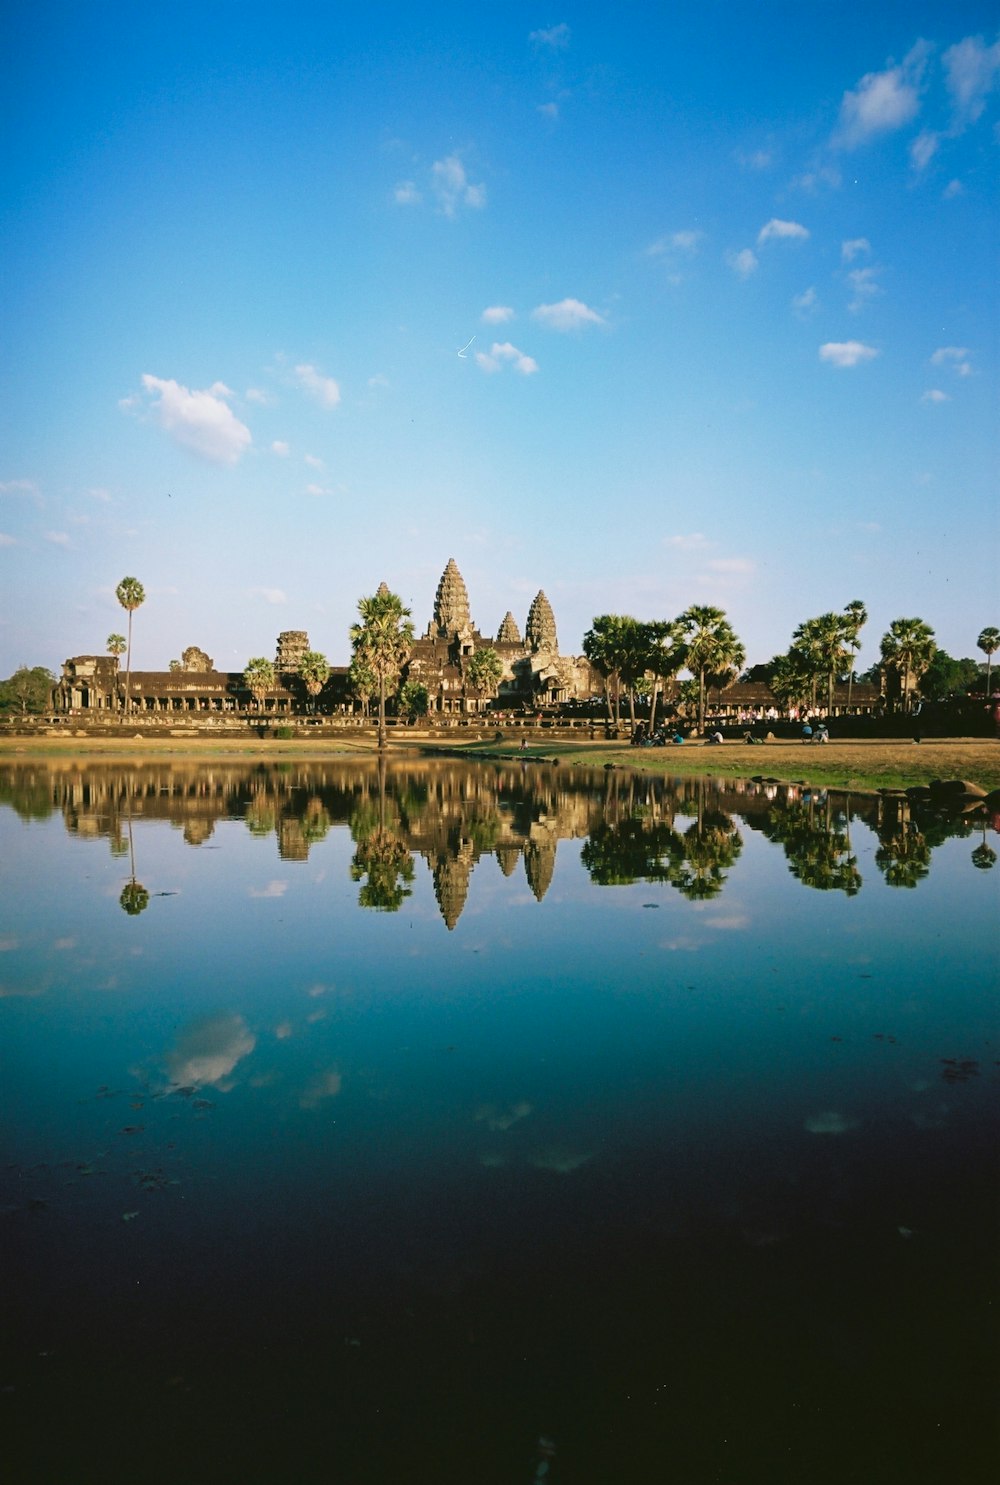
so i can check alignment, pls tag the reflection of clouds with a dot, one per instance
(830, 1122)
(207, 1051)
(681, 945)
(7, 943)
(327, 1085)
(28, 992)
(283, 1030)
(315, 991)
(559, 1159)
(735, 921)
(315, 1016)
(64, 943)
(273, 889)
(497, 1118)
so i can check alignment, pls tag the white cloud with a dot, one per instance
(7, 541)
(924, 148)
(568, 314)
(497, 314)
(406, 194)
(776, 228)
(806, 302)
(882, 101)
(18, 487)
(744, 262)
(57, 538)
(846, 353)
(690, 543)
(549, 110)
(935, 395)
(201, 421)
(678, 242)
(754, 160)
(732, 566)
(378, 380)
(318, 490)
(269, 595)
(853, 247)
(971, 72)
(313, 461)
(453, 188)
(952, 189)
(280, 448)
(255, 394)
(501, 353)
(325, 390)
(98, 492)
(864, 287)
(812, 180)
(555, 36)
(955, 356)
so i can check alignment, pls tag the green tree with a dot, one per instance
(131, 595)
(613, 645)
(115, 646)
(258, 677)
(946, 676)
(823, 644)
(382, 641)
(665, 655)
(908, 646)
(484, 670)
(314, 672)
(361, 682)
(414, 699)
(713, 649)
(30, 689)
(989, 643)
(792, 678)
(856, 616)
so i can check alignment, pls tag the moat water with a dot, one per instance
(494, 1125)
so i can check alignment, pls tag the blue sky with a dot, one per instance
(643, 306)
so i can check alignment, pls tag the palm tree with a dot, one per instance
(605, 646)
(823, 641)
(314, 672)
(665, 653)
(116, 647)
(713, 648)
(131, 595)
(908, 646)
(792, 678)
(258, 677)
(856, 616)
(485, 670)
(383, 641)
(989, 642)
(362, 682)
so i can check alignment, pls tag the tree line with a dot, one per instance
(638, 657)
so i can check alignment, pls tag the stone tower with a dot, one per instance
(292, 645)
(451, 603)
(508, 633)
(540, 631)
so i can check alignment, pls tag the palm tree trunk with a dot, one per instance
(701, 702)
(128, 665)
(381, 712)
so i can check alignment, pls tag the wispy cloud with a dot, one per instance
(732, 566)
(806, 303)
(57, 538)
(201, 421)
(452, 187)
(273, 889)
(924, 148)
(954, 356)
(846, 353)
(952, 189)
(269, 595)
(497, 314)
(324, 389)
(934, 394)
(754, 159)
(313, 461)
(505, 353)
(313, 489)
(258, 395)
(777, 229)
(882, 101)
(7, 541)
(972, 70)
(556, 37)
(853, 248)
(692, 542)
(280, 448)
(568, 314)
(18, 487)
(685, 241)
(406, 194)
(864, 287)
(743, 263)
(549, 110)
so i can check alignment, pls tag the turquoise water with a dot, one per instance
(494, 1125)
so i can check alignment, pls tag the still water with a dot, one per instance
(494, 1125)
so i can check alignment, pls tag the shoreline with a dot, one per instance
(863, 766)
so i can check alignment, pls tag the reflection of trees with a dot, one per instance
(983, 856)
(381, 857)
(904, 852)
(633, 850)
(710, 846)
(817, 844)
(134, 898)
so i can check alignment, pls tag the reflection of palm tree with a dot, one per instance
(817, 847)
(711, 845)
(984, 856)
(633, 850)
(381, 857)
(134, 898)
(904, 856)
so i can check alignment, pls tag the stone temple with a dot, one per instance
(534, 673)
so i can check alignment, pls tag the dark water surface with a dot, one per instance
(494, 1125)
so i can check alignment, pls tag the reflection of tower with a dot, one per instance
(292, 842)
(451, 884)
(508, 853)
(540, 863)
